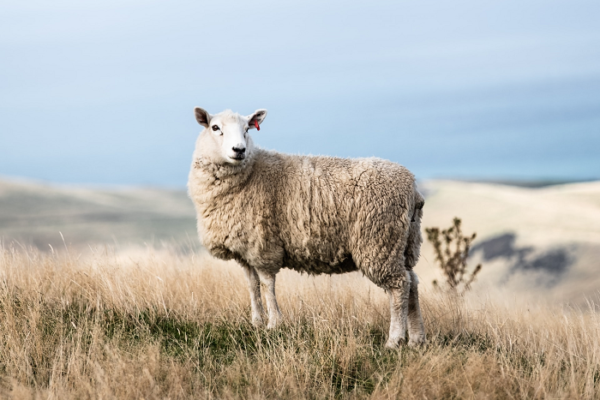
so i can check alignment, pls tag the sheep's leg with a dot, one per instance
(268, 279)
(411, 255)
(256, 301)
(398, 312)
(416, 331)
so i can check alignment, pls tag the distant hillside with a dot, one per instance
(526, 237)
(547, 238)
(34, 214)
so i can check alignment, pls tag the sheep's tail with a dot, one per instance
(413, 245)
(418, 209)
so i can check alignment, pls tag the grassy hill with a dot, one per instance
(161, 325)
(156, 322)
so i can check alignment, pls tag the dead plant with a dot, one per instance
(452, 251)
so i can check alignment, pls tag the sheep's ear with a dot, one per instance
(256, 118)
(202, 116)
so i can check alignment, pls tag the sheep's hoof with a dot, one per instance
(393, 344)
(416, 342)
(257, 322)
(273, 325)
(274, 320)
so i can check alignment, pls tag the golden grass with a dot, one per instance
(161, 325)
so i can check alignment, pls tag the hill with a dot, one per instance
(161, 325)
(528, 238)
(117, 323)
(535, 240)
(36, 214)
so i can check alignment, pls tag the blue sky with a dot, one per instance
(102, 92)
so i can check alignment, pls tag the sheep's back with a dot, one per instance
(336, 214)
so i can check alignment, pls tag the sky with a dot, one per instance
(103, 92)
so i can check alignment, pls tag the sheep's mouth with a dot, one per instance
(238, 157)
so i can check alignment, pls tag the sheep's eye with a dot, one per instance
(215, 128)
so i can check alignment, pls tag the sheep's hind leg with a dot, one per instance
(411, 255)
(416, 331)
(268, 279)
(398, 312)
(254, 286)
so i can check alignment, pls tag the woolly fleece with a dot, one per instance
(313, 214)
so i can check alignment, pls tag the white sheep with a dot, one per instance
(269, 210)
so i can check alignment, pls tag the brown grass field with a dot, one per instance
(161, 325)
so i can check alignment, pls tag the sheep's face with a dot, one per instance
(225, 138)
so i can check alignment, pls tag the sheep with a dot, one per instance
(314, 214)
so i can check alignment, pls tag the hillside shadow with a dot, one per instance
(552, 263)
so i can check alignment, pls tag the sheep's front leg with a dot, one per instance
(268, 279)
(254, 286)
(398, 313)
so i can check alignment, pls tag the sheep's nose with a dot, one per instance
(239, 150)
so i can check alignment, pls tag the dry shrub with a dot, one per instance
(451, 252)
(163, 325)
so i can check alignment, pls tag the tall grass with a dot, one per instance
(162, 325)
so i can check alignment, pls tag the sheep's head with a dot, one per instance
(225, 137)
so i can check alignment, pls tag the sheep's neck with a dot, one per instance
(223, 177)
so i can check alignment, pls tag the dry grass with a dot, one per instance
(160, 325)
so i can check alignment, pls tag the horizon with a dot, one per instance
(520, 183)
